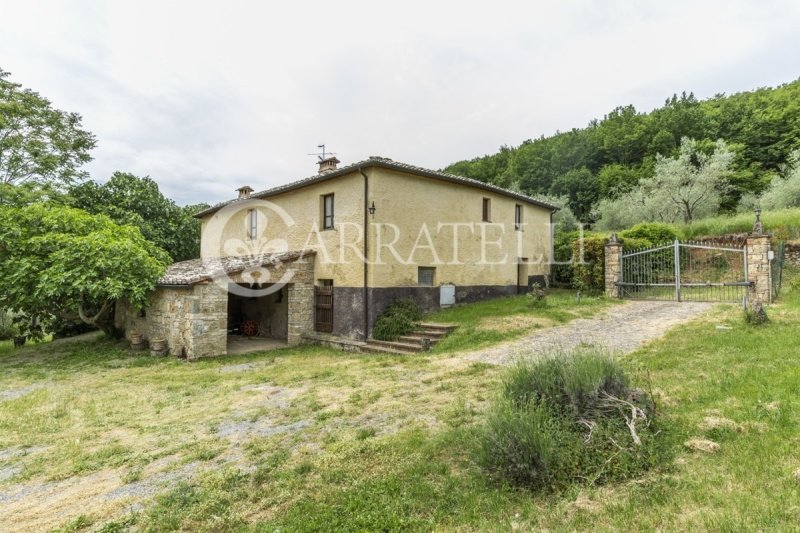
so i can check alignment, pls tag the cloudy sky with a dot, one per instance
(208, 96)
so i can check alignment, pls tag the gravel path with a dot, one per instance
(621, 329)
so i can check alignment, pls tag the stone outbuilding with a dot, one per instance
(200, 304)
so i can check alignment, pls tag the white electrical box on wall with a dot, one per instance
(447, 295)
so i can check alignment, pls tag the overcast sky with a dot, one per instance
(207, 96)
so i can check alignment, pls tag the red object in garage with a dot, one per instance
(249, 328)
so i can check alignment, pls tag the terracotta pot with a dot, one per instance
(158, 344)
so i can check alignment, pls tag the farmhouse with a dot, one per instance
(328, 253)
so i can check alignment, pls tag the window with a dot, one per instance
(425, 276)
(252, 224)
(327, 211)
(518, 217)
(487, 209)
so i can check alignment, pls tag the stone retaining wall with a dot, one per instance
(792, 253)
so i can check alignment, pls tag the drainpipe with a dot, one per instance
(366, 256)
(549, 277)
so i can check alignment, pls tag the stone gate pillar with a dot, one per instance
(613, 266)
(758, 271)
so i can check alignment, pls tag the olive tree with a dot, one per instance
(684, 188)
(63, 262)
(784, 191)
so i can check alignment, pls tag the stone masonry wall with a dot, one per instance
(164, 317)
(613, 268)
(194, 320)
(792, 253)
(205, 325)
(758, 269)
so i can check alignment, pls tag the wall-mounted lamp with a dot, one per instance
(371, 208)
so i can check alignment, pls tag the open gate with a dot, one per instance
(679, 271)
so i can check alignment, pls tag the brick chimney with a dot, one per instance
(244, 192)
(328, 164)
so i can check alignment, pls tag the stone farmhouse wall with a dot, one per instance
(194, 319)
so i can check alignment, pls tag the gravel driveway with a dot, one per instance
(621, 329)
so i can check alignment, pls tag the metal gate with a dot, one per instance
(323, 308)
(690, 271)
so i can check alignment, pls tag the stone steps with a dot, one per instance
(414, 342)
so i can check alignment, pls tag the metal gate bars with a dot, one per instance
(685, 272)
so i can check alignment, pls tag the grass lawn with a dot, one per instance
(489, 322)
(310, 439)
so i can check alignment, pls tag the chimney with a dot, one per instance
(244, 192)
(328, 164)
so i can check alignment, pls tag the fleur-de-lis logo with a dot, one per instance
(245, 233)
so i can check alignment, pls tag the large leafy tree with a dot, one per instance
(66, 263)
(580, 187)
(38, 143)
(129, 199)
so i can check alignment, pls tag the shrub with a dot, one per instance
(631, 243)
(537, 297)
(570, 418)
(589, 275)
(7, 326)
(756, 316)
(399, 318)
(653, 232)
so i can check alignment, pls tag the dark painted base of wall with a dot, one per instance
(348, 302)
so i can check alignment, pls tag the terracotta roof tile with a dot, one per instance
(187, 273)
(382, 162)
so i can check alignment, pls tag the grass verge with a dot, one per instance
(503, 319)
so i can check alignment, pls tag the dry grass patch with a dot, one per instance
(515, 322)
(711, 423)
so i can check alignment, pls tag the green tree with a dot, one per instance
(615, 180)
(129, 199)
(784, 191)
(581, 188)
(761, 127)
(686, 187)
(624, 135)
(37, 142)
(66, 263)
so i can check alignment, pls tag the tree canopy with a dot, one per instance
(64, 262)
(129, 199)
(683, 188)
(37, 142)
(609, 157)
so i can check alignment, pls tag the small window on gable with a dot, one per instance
(518, 217)
(252, 224)
(487, 209)
(327, 211)
(425, 276)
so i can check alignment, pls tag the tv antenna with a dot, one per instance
(322, 155)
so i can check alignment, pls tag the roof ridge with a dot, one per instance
(384, 162)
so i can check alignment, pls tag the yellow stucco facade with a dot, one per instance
(418, 221)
